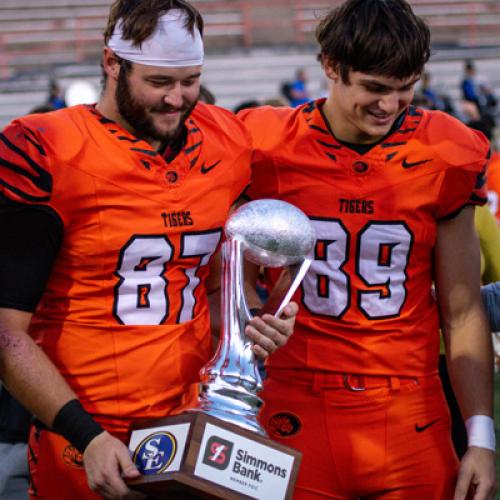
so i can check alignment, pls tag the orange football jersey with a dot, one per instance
(494, 185)
(366, 302)
(124, 316)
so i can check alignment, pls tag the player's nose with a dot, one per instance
(174, 97)
(389, 103)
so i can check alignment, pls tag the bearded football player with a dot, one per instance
(110, 217)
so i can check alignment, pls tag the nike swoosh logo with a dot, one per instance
(422, 428)
(407, 164)
(205, 170)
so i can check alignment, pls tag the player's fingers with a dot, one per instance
(290, 310)
(463, 483)
(100, 484)
(485, 490)
(279, 330)
(97, 480)
(263, 340)
(127, 467)
(112, 485)
(260, 352)
(115, 488)
(277, 327)
(276, 330)
(267, 327)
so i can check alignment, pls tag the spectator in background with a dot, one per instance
(470, 90)
(252, 103)
(43, 108)
(300, 94)
(206, 96)
(275, 102)
(471, 115)
(55, 98)
(478, 92)
(432, 98)
(296, 92)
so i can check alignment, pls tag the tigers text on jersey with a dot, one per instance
(124, 316)
(366, 302)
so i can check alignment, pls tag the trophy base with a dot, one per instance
(197, 456)
(174, 485)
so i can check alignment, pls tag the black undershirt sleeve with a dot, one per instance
(30, 237)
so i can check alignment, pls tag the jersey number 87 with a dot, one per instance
(141, 296)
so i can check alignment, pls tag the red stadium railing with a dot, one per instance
(48, 32)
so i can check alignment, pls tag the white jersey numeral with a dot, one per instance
(383, 250)
(141, 296)
(382, 254)
(326, 285)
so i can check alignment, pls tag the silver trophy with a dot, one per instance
(269, 233)
(201, 449)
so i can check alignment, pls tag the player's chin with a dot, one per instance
(166, 128)
(377, 128)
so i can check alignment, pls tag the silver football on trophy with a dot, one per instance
(274, 233)
(271, 233)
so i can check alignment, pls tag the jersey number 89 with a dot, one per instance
(382, 253)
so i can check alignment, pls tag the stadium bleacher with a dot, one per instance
(252, 45)
(46, 32)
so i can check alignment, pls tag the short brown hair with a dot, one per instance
(140, 17)
(381, 37)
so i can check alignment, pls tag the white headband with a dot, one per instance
(170, 46)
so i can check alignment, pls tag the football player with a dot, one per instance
(110, 216)
(391, 191)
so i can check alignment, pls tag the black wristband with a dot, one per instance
(76, 425)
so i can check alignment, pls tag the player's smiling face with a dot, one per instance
(363, 109)
(156, 101)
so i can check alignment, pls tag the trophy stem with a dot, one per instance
(231, 380)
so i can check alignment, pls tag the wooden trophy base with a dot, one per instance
(197, 456)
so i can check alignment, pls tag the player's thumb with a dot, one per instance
(463, 483)
(291, 309)
(128, 468)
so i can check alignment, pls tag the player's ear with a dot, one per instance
(332, 69)
(110, 63)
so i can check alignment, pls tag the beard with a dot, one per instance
(136, 115)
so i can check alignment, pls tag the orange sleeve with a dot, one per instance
(25, 175)
(465, 184)
(232, 135)
(264, 182)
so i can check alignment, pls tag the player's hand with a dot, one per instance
(107, 461)
(269, 333)
(477, 473)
